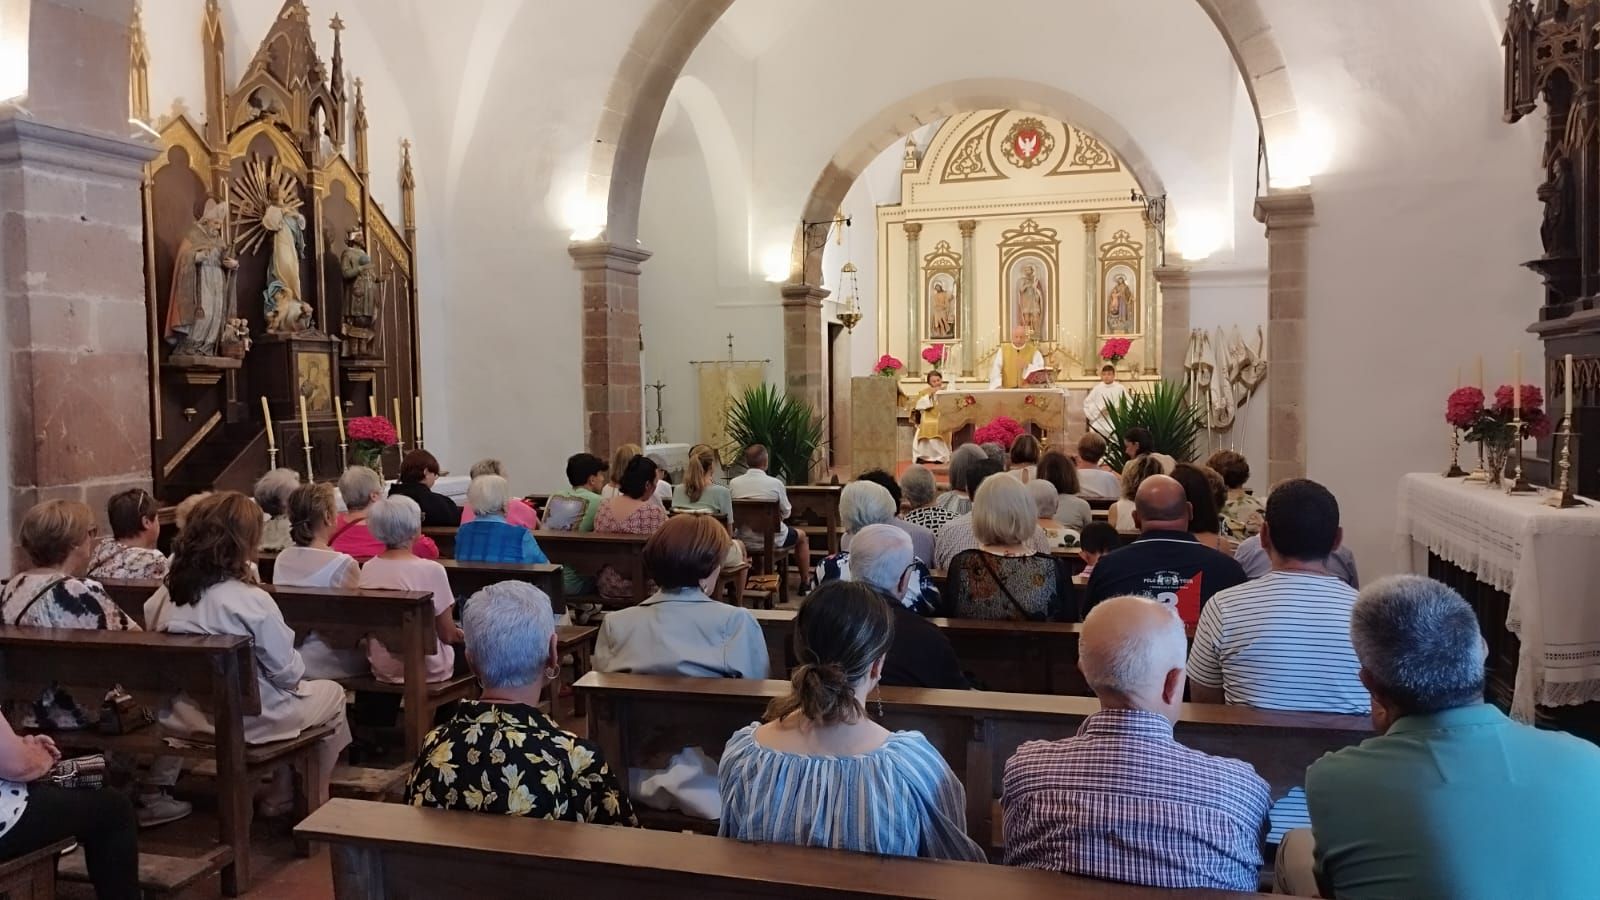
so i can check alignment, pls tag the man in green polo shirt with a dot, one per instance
(1453, 800)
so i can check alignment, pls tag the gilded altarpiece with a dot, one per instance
(320, 296)
(1015, 219)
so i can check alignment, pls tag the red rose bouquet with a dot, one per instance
(1002, 430)
(1466, 410)
(370, 436)
(1463, 407)
(1115, 350)
(934, 354)
(888, 365)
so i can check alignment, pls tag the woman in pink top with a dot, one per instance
(361, 487)
(518, 512)
(632, 511)
(396, 522)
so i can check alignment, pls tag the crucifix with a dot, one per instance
(730, 346)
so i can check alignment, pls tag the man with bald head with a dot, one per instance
(1164, 562)
(1122, 800)
(920, 655)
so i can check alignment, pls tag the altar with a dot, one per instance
(1529, 570)
(1046, 407)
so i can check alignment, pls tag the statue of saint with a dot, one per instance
(1119, 307)
(360, 295)
(286, 311)
(201, 301)
(1030, 300)
(942, 323)
(1558, 197)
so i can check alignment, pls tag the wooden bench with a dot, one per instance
(817, 505)
(1020, 657)
(641, 720)
(763, 517)
(218, 673)
(33, 875)
(382, 851)
(444, 536)
(586, 553)
(467, 578)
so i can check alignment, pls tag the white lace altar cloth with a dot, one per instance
(1547, 559)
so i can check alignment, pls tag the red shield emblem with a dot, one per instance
(1026, 143)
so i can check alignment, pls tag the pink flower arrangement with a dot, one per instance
(374, 429)
(1115, 350)
(1465, 410)
(1532, 398)
(1464, 407)
(934, 354)
(1002, 430)
(888, 365)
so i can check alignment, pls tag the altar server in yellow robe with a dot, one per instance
(929, 445)
(1016, 362)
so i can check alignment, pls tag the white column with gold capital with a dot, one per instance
(1091, 292)
(968, 227)
(913, 294)
(1150, 321)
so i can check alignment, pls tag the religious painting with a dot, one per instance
(1027, 296)
(1028, 143)
(1121, 300)
(314, 381)
(1121, 260)
(941, 294)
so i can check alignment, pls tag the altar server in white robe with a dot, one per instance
(1108, 393)
(929, 446)
(1016, 363)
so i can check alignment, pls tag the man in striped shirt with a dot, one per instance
(1283, 640)
(1122, 799)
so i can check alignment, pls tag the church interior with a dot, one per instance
(323, 265)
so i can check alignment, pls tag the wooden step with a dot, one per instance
(158, 874)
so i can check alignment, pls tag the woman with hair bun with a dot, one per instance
(819, 772)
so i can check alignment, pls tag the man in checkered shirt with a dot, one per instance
(1122, 800)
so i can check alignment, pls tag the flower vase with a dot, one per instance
(1495, 454)
(366, 453)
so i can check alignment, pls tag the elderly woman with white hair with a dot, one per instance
(360, 487)
(517, 511)
(1046, 502)
(272, 495)
(491, 536)
(864, 503)
(397, 521)
(551, 773)
(920, 493)
(958, 500)
(1007, 575)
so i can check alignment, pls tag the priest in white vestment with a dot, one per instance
(1108, 393)
(1016, 363)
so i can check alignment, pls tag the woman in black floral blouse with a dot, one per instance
(499, 754)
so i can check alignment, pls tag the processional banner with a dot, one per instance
(721, 385)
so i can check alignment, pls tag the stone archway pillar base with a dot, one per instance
(613, 388)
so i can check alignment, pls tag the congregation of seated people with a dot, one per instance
(1196, 591)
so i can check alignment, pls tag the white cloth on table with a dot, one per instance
(1545, 558)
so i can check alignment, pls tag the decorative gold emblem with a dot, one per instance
(1028, 143)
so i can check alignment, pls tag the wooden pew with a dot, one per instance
(217, 672)
(641, 720)
(444, 536)
(1022, 657)
(382, 851)
(818, 505)
(467, 578)
(587, 553)
(32, 876)
(763, 517)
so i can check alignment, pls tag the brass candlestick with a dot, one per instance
(310, 476)
(1519, 484)
(1479, 473)
(1455, 470)
(344, 455)
(272, 458)
(1563, 498)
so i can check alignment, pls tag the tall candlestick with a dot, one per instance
(399, 435)
(416, 420)
(372, 404)
(1567, 389)
(338, 413)
(1516, 383)
(272, 441)
(305, 427)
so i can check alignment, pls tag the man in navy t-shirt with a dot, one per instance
(1165, 562)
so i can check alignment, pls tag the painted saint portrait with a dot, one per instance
(1028, 296)
(943, 308)
(1121, 300)
(315, 381)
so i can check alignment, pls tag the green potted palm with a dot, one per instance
(1174, 423)
(787, 426)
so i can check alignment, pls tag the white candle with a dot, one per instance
(399, 437)
(372, 405)
(1516, 383)
(305, 427)
(416, 418)
(1569, 388)
(338, 413)
(272, 442)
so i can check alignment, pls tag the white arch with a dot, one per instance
(719, 150)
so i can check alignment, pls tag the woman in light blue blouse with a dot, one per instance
(820, 772)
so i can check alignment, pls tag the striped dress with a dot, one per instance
(898, 800)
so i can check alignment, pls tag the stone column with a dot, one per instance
(1091, 293)
(1287, 215)
(613, 388)
(968, 227)
(72, 265)
(804, 340)
(1150, 319)
(913, 295)
(1174, 281)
